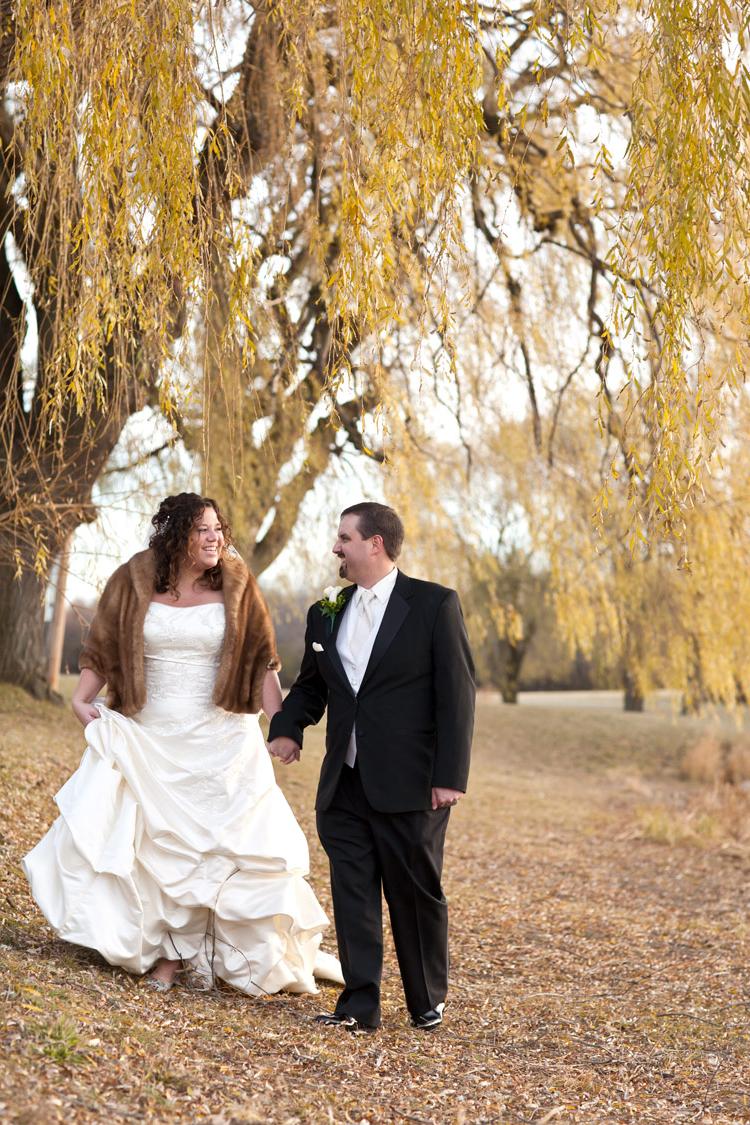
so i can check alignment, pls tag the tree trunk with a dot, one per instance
(57, 628)
(23, 654)
(512, 672)
(693, 698)
(634, 697)
(695, 695)
(632, 662)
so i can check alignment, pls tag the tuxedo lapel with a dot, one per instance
(393, 618)
(331, 650)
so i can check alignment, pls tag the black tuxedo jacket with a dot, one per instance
(414, 712)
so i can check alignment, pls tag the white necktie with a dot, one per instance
(360, 634)
(358, 638)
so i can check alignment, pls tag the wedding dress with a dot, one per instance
(173, 838)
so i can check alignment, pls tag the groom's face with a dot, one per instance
(353, 552)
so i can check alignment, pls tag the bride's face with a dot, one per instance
(206, 540)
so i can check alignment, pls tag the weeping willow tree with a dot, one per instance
(660, 616)
(359, 209)
(604, 236)
(515, 535)
(616, 256)
(247, 216)
(168, 214)
(605, 263)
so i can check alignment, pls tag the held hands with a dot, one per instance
(445, 798)
(285, 749)
(84, 712)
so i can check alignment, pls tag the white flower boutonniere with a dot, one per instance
(332, 602)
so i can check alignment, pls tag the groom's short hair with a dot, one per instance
(379, 519)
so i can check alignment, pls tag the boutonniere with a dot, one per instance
(332, 602)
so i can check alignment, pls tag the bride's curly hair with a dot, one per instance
(173, 524)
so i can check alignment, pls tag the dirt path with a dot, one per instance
(599, 975)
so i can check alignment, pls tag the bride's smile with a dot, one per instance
(206, 541)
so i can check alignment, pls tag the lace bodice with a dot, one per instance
(182, 649)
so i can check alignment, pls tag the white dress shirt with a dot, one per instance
(355, 663)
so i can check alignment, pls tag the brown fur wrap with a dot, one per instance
(114, 645)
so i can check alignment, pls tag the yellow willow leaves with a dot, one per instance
(507, 622)
(387, 104)
(405, 130)
(632, 604)
(110, 103)
(106, 148)
(684, 229)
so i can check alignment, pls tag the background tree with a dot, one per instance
(665, 614)
(504, 605)
(467, 529)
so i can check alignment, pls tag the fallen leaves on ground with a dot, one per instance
(600, 971)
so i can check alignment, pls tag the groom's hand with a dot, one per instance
(285, 749)
(445, 798)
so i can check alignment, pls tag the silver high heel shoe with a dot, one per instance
(158, 985)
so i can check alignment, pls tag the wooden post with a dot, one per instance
(57, 627)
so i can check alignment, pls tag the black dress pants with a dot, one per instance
(401, 855)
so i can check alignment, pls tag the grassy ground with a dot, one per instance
(600, 943)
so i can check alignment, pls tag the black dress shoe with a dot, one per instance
(429, 1020)
(340, 1019)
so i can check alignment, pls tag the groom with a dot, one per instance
(390, 659)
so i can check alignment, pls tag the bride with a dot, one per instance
(174, 846)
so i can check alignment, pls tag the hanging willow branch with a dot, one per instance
(683, 228)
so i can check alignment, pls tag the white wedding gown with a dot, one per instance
(173, 838)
